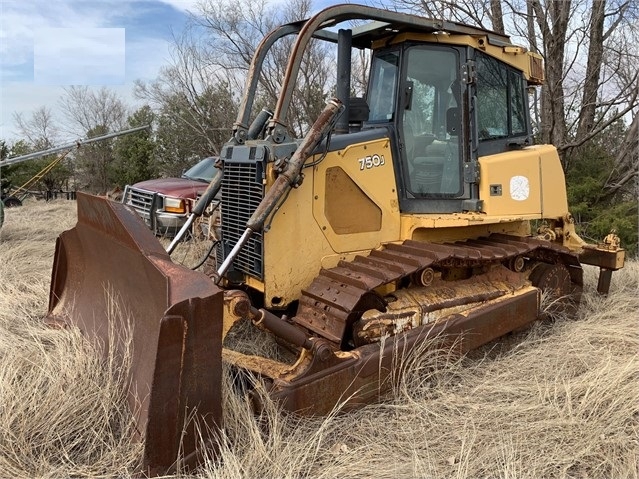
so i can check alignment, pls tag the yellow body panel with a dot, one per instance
(292, 247)
(301, 237)
(348, 205)
(554, 200)
(370, 166)
(526, 182)
(528, 62)
(460, 226)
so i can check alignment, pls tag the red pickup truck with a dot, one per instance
(165, 203)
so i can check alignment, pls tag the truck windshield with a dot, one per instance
(203, 171)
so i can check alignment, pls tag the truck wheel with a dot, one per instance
(12, 202)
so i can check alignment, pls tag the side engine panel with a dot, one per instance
(529, 181)
(355, 199)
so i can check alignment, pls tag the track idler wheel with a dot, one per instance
(554, 280)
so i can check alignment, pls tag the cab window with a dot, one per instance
(501, 106)
(383, 88)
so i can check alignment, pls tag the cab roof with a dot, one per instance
(388, 23)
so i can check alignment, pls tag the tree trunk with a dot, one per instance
(626, 163)
(593, 69)
(553, 24)
(530, 27)
(497, 16)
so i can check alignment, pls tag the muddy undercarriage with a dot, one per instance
(348, 331)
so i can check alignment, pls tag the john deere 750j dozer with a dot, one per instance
(402, 215)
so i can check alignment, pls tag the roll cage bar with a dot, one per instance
(382, 23)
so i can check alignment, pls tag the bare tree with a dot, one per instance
(236, 28)
(94, 113)
(360, 65)
(86, 109)
(41, 132)
(39, 129)
(625, 171)
(593, 70)
(193, 96)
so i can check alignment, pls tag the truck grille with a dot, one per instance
(143, 201)
(242, 191)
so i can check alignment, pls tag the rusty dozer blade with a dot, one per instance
(175, 324)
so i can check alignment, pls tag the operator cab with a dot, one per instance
(421, 92)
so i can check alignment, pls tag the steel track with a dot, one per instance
(338, 296)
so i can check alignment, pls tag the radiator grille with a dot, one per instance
(242, 191)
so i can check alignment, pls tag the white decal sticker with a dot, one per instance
(369, 162)
(519, 188)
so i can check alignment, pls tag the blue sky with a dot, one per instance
(48, 44)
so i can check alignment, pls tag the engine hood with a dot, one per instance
(176, 187)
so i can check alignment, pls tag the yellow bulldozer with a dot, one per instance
(401, 216)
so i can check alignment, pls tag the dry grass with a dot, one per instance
(561, 401)
(188, 253)
(62, 411)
